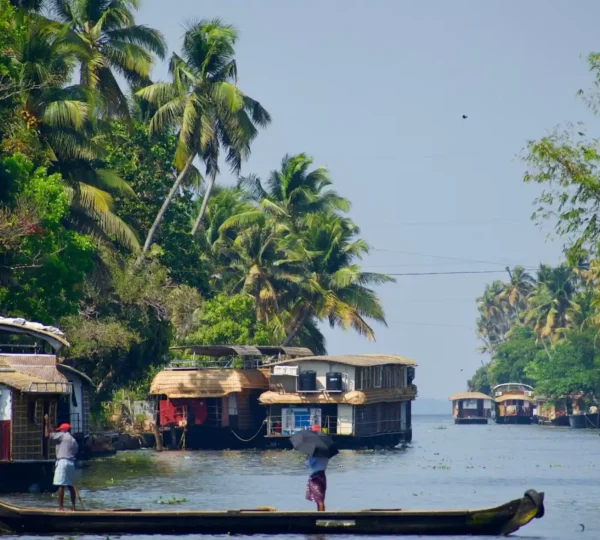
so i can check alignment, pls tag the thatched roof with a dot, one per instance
(359, 360)
(49, 334)
(354, 397)
(205, 383)
(29, 384)
(469, 395)
(39, 366)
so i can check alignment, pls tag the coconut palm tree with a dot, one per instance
(517, 289)
(495, 314)
(203, 103)
(63, 118)
(552, 305)
(107, 43)
(293, 194)
(331, 285)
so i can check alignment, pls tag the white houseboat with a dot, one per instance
(360, 400)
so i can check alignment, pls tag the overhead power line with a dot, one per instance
(448, 273)
(475, 261)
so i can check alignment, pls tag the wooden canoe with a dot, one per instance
(504, 519)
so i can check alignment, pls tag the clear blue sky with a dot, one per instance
(375, 91)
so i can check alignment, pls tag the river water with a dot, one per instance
(446, 466)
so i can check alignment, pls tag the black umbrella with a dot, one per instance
(314, 444)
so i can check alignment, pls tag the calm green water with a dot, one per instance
(447, 466)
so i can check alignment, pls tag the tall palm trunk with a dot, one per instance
(211, 182)
(296, 327)
(163, 209)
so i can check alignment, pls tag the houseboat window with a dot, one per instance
(73, 396)
(378, 377)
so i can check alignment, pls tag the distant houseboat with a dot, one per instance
(514, 403)
(556, 412)
(471, 407)
(583, 419)
(360, 400)
(211, 400)
(32, 385)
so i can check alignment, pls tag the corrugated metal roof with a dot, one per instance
(361, 360)
(354, 397)
(204, 383)
(469, 395)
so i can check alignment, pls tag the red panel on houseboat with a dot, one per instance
(4, 440)
(177, 410)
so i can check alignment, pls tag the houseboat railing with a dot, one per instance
(204, 363)
(49, 388)
(21, 348)
(330, 426)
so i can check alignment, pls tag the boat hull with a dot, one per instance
(478, 421)
(585, 421)
(504, 519)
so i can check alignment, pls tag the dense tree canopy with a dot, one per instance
(108, 230)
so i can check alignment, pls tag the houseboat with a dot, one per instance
(210, 401)
(32, 385)
(585, 418)
(359, 400)
(471, 408)
(514, 403)
(556, 412)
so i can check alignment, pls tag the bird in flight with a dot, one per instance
(464, 116)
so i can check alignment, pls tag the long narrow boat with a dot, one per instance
(504, 519)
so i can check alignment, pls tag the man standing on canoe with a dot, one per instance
(66, 453)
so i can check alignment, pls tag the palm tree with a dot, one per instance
(552, 305)
(332, 286)
(107, 42)
(494, 316)
(204, 104)
(293, 194)
(62, 117)
(517, 289)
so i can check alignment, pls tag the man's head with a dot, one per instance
(64, 428)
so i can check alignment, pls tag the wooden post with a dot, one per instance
(157, 438)
(173, 443)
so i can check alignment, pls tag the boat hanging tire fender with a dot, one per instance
(537, 499)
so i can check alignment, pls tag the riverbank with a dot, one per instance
(447, 466)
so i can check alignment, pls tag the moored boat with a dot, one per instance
(514, 403)
(471, 407)
(590, 420)
(503, 519)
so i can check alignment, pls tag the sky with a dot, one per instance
(376, 91)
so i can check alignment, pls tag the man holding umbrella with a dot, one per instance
(319, 450)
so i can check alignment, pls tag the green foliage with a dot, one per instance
(480, 381)
(229, 320)
(572, 367)
(44, 263)
(510, 361)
